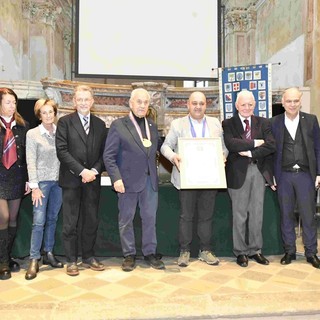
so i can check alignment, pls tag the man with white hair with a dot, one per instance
(130, 159)
(249, 166)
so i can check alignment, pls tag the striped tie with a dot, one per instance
(9, 153)
(247, 130)
(86, 124)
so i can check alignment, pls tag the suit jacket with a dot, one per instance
(19, 133)
(76, 151)
(126, 158)
(13, 181)
(311, 138)
(234, 138)
(180, 128)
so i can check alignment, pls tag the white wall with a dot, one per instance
(290, 73)
(9, 70)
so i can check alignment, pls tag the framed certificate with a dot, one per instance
(202, 164)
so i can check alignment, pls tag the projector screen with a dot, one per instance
(167, 39)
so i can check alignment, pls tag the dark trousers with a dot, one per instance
(80, 220)
(194, 202)
(147, 200)
(298, 188)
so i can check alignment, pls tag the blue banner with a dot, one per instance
(255, 78)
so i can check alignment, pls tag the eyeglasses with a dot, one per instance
(85, 101)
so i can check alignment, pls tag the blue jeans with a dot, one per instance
(45, 218)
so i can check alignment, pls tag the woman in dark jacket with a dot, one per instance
(13, 176)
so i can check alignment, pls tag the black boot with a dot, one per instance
(50, 259)
(5, 272)
(13, 265)
(32, 270)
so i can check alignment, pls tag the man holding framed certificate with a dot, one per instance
(201, 199)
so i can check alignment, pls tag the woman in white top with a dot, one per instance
(43, 170)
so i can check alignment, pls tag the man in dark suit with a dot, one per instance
(297, 174)
(130, 160)
(249, 165)
(80, 138)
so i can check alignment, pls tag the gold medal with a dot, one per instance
(146, 143)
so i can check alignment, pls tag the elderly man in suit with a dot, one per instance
(80, 138)
(249, 165)
(130, 160)
(193, 201)
(297, 174)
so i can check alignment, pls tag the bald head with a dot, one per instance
(197, 105)
(292, 91)
(197, 94)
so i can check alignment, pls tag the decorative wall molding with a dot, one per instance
(240, 20)
(67, 39)
(46, 13)
(112, 101)
(25, 89)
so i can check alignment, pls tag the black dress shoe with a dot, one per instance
(287, 258)
(5, 272)
(154, 262)
(129, 263)
(14, 265)
(259, 258)
(93, 264)
(242, 260)
(72, 269)
(32, 270)
(314, 260)
(50, 259)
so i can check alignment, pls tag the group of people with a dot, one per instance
(61, 166)
(282, 152)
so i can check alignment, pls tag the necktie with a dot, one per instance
(9, 153)
(86, 124)
(247, 130)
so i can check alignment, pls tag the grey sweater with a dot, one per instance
(42, 161)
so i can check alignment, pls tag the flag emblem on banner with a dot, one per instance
(236, 86)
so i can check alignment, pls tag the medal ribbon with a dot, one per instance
(138, 128)
(193, 132)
